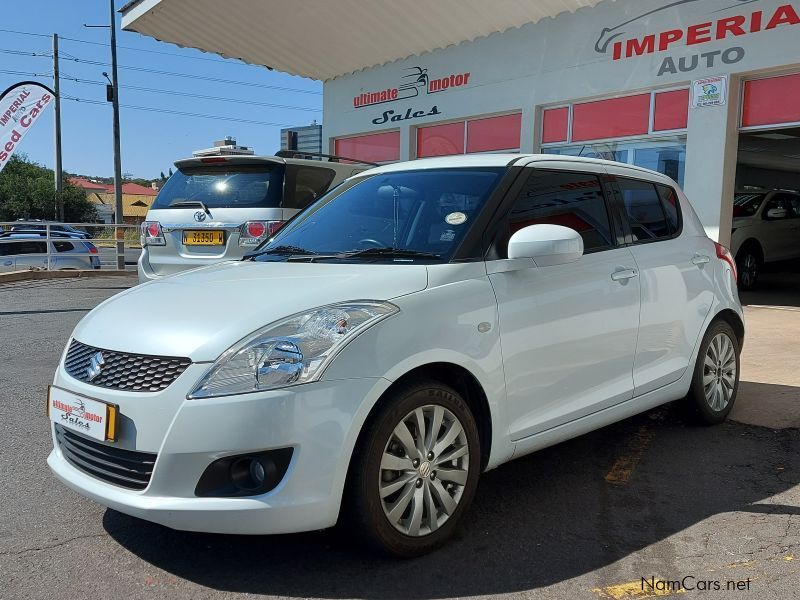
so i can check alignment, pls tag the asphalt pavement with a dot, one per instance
(650, 498)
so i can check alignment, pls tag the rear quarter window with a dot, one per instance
(646, 214)
(64, 246)
(304, 184)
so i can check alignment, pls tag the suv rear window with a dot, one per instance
(225, 186)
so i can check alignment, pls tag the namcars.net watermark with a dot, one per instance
(691, 583)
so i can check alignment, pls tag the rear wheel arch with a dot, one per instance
(751, 244)
(734, 320)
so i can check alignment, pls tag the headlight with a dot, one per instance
(291, 351)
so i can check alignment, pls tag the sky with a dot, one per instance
(151, 141)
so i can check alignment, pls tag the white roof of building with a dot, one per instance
(323, 39)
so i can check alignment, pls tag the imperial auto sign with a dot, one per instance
(20, 107)
(726, 20)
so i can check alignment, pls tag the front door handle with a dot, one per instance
(700, 259)
(624, 274)
(8, 263)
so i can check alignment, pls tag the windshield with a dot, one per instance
(403, 216)
(224, 186)
(746, 205)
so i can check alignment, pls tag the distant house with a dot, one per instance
(136, 199)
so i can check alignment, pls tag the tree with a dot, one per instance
(27, 192)
(170, 171)
(163, 177)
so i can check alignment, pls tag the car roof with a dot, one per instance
(502, 160)
(238, 159)
(26, 236)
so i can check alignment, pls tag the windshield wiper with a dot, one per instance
(190, 203)
(282, 251)
(389, 252)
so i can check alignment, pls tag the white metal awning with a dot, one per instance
(324, 39)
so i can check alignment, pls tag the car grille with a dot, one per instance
(125, 468)
(122, 371)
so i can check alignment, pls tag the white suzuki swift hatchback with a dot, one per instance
(419, 324)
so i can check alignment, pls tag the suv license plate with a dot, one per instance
(203, 237)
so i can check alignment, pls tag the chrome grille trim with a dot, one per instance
(123, 371)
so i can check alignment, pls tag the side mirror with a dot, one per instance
(547, 245)
(776, 213)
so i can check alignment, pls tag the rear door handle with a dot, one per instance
(700, 259)
(624, 274)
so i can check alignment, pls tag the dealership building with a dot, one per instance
(706, 91)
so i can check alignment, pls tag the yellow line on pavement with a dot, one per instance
(622, 469)
(636, 589)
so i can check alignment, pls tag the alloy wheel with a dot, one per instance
(748, 270)
(719, 372)
(423, 471)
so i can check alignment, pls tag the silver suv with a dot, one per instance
(220, 207)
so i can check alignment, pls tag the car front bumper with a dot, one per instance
(319, 421)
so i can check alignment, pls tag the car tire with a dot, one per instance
(415, 508)
(715, 380)
(748, 267)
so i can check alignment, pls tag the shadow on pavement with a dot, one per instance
(536, 521)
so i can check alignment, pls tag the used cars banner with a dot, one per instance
(21, 105)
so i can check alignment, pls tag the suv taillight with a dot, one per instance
(151, 234)
(255, 232)
(724, 254)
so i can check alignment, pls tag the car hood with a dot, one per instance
(201, 313)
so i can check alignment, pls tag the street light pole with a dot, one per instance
(58, 170)
(118, 216)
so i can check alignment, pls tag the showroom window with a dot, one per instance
(374, 147)
(488, 134)
(665, 155)
(646, 130)
(569, 199)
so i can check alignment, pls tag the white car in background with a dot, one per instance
(422, 323)
(766, 228)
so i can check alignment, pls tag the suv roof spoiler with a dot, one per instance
(330, 157)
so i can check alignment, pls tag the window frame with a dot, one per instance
(623, 213)
(499, 224)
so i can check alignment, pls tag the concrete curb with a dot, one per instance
(32, 275)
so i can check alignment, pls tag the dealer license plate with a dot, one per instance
(92, 418)
(203, 237)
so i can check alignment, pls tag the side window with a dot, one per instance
(573, 200)
(643, 207)
(781, 207)
(306, 184)
(672, 207)
(9, 248)
(32, 248)
(794, 203)
(64, 246)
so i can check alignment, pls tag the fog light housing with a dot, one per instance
(248, 474)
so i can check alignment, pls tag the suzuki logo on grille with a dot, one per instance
(199, 216)
(95, 366)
